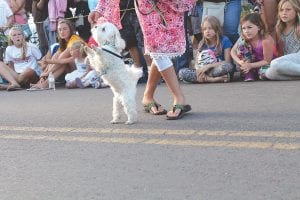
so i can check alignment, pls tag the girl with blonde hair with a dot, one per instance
(61, 62)
(213, 60)
(21, 57)
(287, 67)
(84, 75)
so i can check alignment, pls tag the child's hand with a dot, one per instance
(201, 78)
(245, 67)
(202, 70)
(88, 68)
(241, 62)
(201, 73)
(44, 62)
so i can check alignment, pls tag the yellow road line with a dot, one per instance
(276, 134)
(175, 142)
(154, 141)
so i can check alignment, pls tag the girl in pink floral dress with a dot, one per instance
(162, 25)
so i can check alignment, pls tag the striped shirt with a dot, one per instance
(291, 42)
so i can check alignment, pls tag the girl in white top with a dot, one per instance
(83, 68)
(21, 57)
(287, 67)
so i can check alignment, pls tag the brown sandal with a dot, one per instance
(148, 108)
(183, 109)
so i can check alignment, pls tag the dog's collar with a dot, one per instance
(112, 53)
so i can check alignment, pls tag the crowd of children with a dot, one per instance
(257, 54)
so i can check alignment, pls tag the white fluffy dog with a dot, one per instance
(121, 78)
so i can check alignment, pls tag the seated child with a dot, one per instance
(254, 51)
(213, 62)
(84, 75)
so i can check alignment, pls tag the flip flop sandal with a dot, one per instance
(183, 109)
(13, 88)
(3, 87)
(148, 108)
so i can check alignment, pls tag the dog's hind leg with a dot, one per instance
(116, 109)
(129, 104)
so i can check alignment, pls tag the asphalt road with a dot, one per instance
(240, 141)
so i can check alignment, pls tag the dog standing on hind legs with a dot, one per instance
(121, 78)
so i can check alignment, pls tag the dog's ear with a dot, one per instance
(95, 33)
(119, 42)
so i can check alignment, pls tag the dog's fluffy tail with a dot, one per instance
(136, 72)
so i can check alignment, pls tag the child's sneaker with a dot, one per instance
(79, 83)
(97, 84)
(249, 77)
(262, 72)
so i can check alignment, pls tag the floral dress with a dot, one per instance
(163, 26)
(161, 22)
(110, 10)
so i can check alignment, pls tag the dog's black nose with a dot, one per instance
(103, 29)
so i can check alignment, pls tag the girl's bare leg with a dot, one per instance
(56, 69)
(171, 80)
(27, 77)
(154, 77)
(9, 74)
(219, 79)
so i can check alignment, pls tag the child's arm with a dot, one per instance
(62, 58)
(227, 55)
(60, 61)
(42, 62)
(234, 56)
(201, 71)
(88, 65)
(88, 68)
(17, 5)
(268, 48)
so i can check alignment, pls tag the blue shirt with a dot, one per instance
(226, 44)
(92, 4)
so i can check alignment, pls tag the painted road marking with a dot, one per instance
(154, 141)
(175, 142)
(275, 134)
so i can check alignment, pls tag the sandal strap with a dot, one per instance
(178, 106)
(151, 105)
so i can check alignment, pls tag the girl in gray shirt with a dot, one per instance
(287, 67)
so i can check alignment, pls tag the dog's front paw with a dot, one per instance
(115, 121)
(129, 122)
(88, 50)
